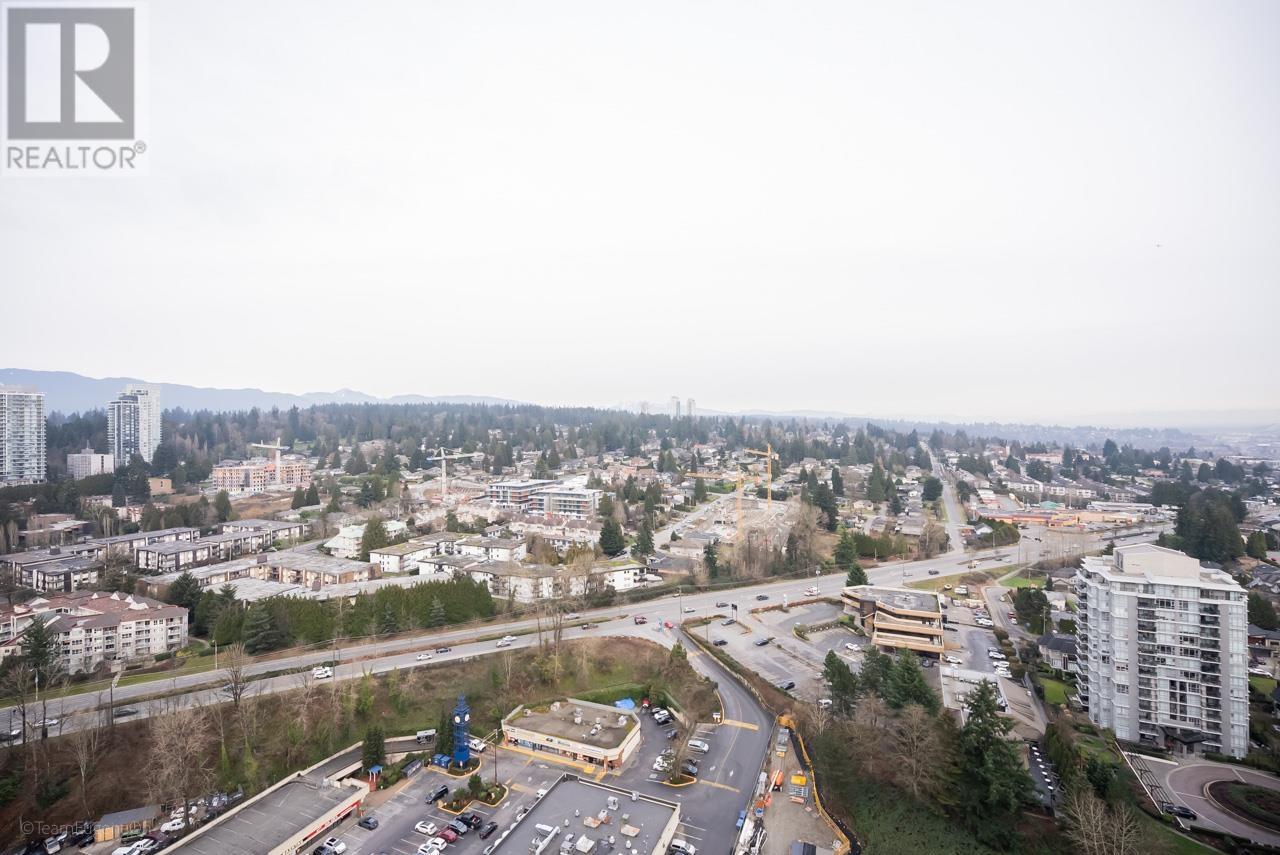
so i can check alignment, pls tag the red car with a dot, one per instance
(667, 624)
(449, 834)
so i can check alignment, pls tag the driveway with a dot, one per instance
(1185, 783)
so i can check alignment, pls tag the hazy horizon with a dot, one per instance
(983, 212)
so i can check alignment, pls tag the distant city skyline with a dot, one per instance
(990, 212)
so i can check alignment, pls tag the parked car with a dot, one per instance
(728, 622)
(437, 794)
(689, 610)
(428, 849)
(742, 819)
(672, 733)
(369, 822)
(641, 619)
(762, 597)
(701, 746)
(173, 826)
(572, 616)
(436, 843)
(460, 827)
(335, 845)
(449, 835)
(787, 685)
(488, 830)
(722, 605)
(473, 820)
(427, 828)
(954, 660)
(682, 847)
(762, 642)
(689, 767)
(720, 642)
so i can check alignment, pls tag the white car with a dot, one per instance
(423, 657)
(849, 645)
(811, 592)
(996, 654)
(572, 616)
(503, 643)
(477, 745)
(335, 845)
(955, 660)
(324, 672)
(699, 745)
(427, 828)
(430, 847)
(689, 610)
(508, 638)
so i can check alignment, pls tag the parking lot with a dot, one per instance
(710, 806)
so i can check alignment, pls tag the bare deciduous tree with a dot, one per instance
(86, 749)
(178, 768)
(1098, 830)
(916, 747)
(235, 664)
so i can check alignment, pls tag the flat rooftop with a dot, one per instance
(649, 816)
(901, 598)
(557, 720)
(269, 820)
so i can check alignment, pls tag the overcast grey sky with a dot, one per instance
(1011, 210)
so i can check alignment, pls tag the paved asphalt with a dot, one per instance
(381, 656)
(727, 776)
(1185, 783)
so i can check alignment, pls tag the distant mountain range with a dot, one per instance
(66, 392)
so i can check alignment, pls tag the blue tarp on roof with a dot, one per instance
(625, 704)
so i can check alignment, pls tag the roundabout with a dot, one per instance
(1234, 799)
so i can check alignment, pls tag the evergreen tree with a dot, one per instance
(611, 540)
(374, 537)
(374, 750)
(1261, 612)
(875, 485)
(843, 683)
(299, 499)
(185, 592)
(222, 506)
(313, 496)
(907, 684)
(356, 464)
(710, 560)
(334, 506)
(388, 621)
(42, 651)
(837, 481)
(699, 490)
(260, 631)
(444, 733)
(991, 786)
(876, 668)
(1257, 546)
(436, 616)
(644, 540)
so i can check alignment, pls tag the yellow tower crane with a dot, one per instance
(767, 454)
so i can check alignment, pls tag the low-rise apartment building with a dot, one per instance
(897, 618)
(346, 544)
(492, 548)
(557, 532)
(516, 493)
(94, 627)
(564, 500)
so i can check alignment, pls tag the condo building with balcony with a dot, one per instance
(1163, 652)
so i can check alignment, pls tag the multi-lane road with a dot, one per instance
(379, 656)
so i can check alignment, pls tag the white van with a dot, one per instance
(683, 847)
(699, 745)
(323, 672)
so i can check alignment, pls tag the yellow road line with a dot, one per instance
(743, 724)
(719, 786)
